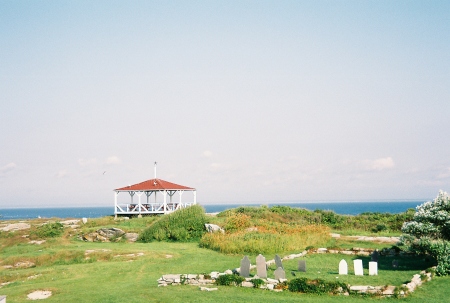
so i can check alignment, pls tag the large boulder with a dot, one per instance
(111, 232)
(214, 228)
(104, 235)
(131, 237)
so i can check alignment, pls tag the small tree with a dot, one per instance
(429, 231)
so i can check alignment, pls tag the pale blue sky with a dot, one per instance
(244, 100)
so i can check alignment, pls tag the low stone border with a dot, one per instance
(204, 280)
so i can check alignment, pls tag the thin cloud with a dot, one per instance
(207, 154)
(87, 162)
(445, 174)
(113, 160)
(8, 167)
(61, 174)
(380, 164)
(216, 167)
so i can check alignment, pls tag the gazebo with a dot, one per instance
(151, 205)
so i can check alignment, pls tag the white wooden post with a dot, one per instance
(115, 204)
(139, 205)
(165, 202)
(131, 195)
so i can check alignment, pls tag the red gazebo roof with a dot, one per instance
(154, 184)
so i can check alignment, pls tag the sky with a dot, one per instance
(246, 101)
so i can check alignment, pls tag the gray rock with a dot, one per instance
(110, 232)
(132, 237)
(214, 228)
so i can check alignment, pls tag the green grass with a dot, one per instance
(108, 278)
(120, 279)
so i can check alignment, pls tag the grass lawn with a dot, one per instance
(134, 279)
(117, 272)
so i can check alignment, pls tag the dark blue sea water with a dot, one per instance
(344, 208)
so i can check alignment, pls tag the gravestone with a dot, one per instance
(302, 265)
(279, 273)
(374, 257)
(245, 267)
(395, 263)
(261, 267)
(278, 262)
(373, 268)
(343, 267)
(358, 267)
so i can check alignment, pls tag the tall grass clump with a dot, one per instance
(267, 239)
(49, 230)
(183, 225)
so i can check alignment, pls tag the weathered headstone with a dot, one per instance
(373, 268)
(395, 264)
(343, 267)
(261, 267)
(245, 267)
(358, 267)
(278, 262)
(374, 256)
(302, 265)
(279, 273)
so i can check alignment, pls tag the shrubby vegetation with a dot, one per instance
(262, 229)
(316, 286)
(368, 221)
(183, 225)
(267, 238)
(228, 280)
(429, 231)
(49, 230)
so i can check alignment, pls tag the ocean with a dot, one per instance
(343, 208)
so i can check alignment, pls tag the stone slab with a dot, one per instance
(358, 267)
(343, 267)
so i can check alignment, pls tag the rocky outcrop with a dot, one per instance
(131, 237)
(214, 228)
(104, 235)
(15, 226)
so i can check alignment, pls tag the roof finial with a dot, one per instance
(155, 169)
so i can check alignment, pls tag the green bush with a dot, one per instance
(429, 232)
(183, 225)
(257, 282)
(317, 286)
(228, 280)
(49, 230)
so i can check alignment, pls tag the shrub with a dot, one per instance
(49, 230)
(429, 232)
(317, 286)
(257, 282)
(267, 239)
(237, 221)
(183, 225)
(228, 280)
